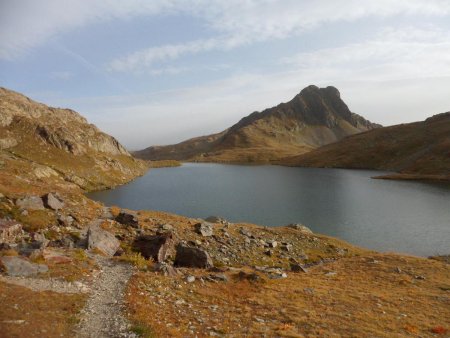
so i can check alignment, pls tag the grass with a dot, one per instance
(137, 260)
(37, 314)
(164, 164)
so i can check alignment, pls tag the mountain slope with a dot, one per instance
(417, 150)
(315, 117)
(60, 144)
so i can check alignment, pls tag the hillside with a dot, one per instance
(313, 118)
(59, 144)
(419, 150)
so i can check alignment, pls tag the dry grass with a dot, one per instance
(164, 164)
(366, 296)
(25, 313)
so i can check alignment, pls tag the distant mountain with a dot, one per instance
(60, 144)
(313, 118)
(419, 150)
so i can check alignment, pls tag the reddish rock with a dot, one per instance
(158, 247)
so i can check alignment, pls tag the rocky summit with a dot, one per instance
(313, 118)
(60, 144)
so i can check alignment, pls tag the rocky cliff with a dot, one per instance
(61, 144)
(313, 118)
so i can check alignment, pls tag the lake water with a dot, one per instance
(384, 215)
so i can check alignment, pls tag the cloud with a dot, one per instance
(27, 24)
(238, 23)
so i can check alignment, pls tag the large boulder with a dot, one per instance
(158, 247)
(191, 257)
(128, 218)
(9, 231)
(19, 267)
(30, 203)
(53, 201)
(102, 240)
(205, 229)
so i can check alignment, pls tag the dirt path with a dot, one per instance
(102, 315)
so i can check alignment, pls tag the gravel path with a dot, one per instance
(102, 315)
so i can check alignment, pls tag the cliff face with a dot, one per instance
(419, 150)
(314, 117)
(61, 141)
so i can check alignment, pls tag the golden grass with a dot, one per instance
(25, 313)
(164, 164)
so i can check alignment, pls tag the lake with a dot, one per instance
(385, 215)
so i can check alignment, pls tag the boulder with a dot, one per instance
(301, 228)
(205, 229)
(30, 203)
(165, 269)
(298, 268)
(102, 240)
(19, 267)
(9, 231)
(158, 247)
(53, 201)
(66, 221)
(192, 257)
(128, 218)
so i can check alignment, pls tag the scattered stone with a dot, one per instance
(205, 229)
(298, 268)
(190, 279)
(64, 220)
(300, 227)
(273, 244)
(9, 231)
(331, 274)
(218, 277)
(278, 275)
(158, 247)
(165, 269)
(128, 218)
(106, 213)
(166, 227)
(102, 240)
(254, 277)
(287, 247)
(192, 257)
(268, 253)
(245, 232)
(53, 201)
(30, 203)
(19, 267)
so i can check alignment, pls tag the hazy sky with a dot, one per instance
(159, 71)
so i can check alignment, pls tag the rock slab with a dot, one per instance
(191, 257)
(158, 247)
(19, 267)
(102, 240)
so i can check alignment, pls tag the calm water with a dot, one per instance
(384, 215)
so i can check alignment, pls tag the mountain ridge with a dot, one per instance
(314, 117)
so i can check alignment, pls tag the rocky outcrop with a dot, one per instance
(19, 267)
(61, 144)
(9, 231)
(157, 247)
(128, 218)
(30, 203)
(102, 240)
(191, 257)
(53, 201)
(313, 118)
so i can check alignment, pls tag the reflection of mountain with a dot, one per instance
(315, 117)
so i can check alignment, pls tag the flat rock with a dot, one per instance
(102, 240)
(19, 267)
(30, 203)
(192, 257)
(300, 227)
(9, 231)
(53, 201)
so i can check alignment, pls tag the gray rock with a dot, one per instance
(19, 267)
(9, 231)
(301, 228)
(30, 203)
(298, 268)
(53, 201)
(128, 218)
(158, 247)
(205, 229)
(192, 257)
(106, 213)
(66, 221)
(102, 240)
(219, 277)
(190, 279)
(166, 227)
(165, 269)
(273, 244)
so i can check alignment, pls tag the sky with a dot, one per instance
(154, 72)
